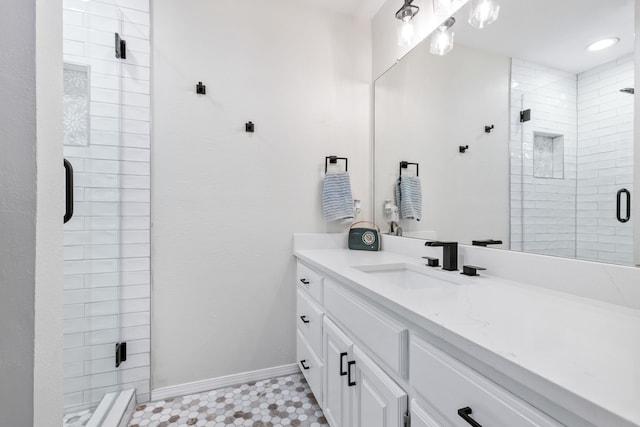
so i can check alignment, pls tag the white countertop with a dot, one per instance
(580, 353)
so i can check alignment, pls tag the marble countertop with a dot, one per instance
(580, 353)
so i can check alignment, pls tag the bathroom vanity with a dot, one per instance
(384, 340)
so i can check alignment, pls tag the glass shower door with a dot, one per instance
(577, 166)
(549, 169)
(106, 241)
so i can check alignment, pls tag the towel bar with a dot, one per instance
(405, 165)
(334, 160)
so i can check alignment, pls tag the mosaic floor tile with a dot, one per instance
(284, 401)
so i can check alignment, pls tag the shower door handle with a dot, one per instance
(68, 178)
(619, 203)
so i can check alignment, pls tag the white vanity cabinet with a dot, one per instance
(378, 400)
(354, 356)
(358, 393)
(309, 315)
(354, 391)
(460, 396)
(338, 396)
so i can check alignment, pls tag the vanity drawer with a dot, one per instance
(311, 281)
(309, 320)
(448, 386)
(386, 338)
(311, 367)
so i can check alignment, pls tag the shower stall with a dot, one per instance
(106, 232)
(572, 161)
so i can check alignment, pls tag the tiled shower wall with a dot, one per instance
(605, 160)
(566, 216)
(107, 243)
(543, 209)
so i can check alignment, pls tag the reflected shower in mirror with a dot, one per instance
(523, 133)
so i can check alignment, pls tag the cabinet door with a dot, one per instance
(338, 395)
(420, 417)
(379, 401)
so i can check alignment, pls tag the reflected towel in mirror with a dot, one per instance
(337, 200)
(409, 197)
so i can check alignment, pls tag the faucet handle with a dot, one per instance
(471, 270)
(432, 262)
(486, 243)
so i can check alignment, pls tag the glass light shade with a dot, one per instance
(406, 33)
(483, 12)
(442, 41)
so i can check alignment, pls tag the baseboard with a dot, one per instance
(221, 382)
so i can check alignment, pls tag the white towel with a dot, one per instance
(337, 200)
(409, 197)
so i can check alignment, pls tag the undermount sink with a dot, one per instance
(409, 276)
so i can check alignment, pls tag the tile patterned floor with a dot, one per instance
(284, 401)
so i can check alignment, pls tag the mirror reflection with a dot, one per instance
(520, 134)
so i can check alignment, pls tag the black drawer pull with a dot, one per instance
(342, 371)
(304, 319)
(304, 281)
(349, 365)
(302, 362)
(464, 414)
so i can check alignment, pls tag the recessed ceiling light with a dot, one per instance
(603, 44)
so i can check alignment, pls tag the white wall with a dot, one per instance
(636, 151)
(17, 210)
(30, 222)
(107, 243)
(426, 107)
(48, 296)
(225, 202)
(605, 161)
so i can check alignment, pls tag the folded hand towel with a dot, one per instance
(337, 200)
(409, 197)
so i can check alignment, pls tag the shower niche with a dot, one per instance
(548, 155)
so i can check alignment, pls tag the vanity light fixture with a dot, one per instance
(406, 14)
(442, 38)
(603, 44)
(483, 12)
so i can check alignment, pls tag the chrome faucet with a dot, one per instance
(449, 254)
(395, 228)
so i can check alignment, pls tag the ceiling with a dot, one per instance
(554, 33)
(361, 8)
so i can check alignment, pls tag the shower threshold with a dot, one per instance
(115, 410)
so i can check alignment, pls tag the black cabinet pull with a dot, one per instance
(342, 371)
(302, 362)
(68, 181)
(619, 203)
(349, 365)
(304, 319)
(304, 281)
(464, 414)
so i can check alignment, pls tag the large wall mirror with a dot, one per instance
(519, 134)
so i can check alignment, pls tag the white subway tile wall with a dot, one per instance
(573, 216)
(543, 209)
(605, 161)
(107, 243)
